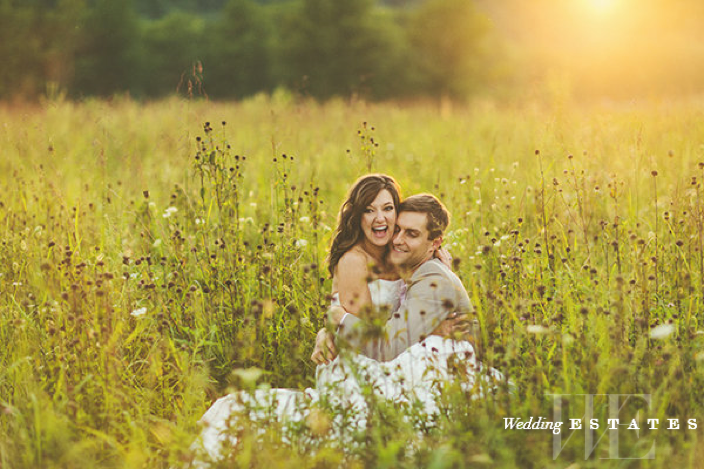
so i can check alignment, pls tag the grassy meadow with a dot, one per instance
(151, 262)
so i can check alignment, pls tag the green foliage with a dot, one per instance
(238, 48)
(332, 48)
(106, 56)
(447, 38)
(170, 49)
(239, 52)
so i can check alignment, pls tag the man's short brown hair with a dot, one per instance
(438, 216)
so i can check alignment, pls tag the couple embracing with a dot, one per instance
(398, 308)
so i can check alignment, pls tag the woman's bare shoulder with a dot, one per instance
(355, 258)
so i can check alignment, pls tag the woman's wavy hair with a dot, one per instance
(362, 193)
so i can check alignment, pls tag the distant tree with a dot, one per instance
(237, 61)
(61, 29)
(106, 60)
(448, 38)
(155, 9)
(332, 47)
(37, 45)
(20, 52)
(170, 47)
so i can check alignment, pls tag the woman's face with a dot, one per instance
(379, 219)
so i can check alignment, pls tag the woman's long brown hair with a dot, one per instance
(362, 193)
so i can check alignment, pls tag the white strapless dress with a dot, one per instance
(344, 389)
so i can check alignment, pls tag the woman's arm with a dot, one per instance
(352, 276)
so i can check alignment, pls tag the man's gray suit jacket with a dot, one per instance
(433, 292)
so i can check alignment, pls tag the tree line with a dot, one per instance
(229, 49)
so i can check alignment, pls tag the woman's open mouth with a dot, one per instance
(380, 231)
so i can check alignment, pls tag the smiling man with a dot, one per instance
(433, 293)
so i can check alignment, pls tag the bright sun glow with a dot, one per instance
(602, 6)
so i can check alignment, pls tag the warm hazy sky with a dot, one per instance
(610, 46)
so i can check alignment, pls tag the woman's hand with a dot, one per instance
(335, 315)
(324, 351)
(444, 256)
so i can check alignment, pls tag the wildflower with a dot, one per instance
(139, 312)
(537, 329)
(300, 243)
(157, 243)
(318, 421)
(198, 221)
(304, 219)
(662, 331)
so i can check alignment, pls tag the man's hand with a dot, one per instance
(456, 326)
(324, 351)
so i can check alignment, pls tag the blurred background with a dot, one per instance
(372, 49)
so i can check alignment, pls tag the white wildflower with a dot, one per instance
(661, 331)
(304, 219)
(139, 312)
(300, 243)
(157, 243)
(537, 329)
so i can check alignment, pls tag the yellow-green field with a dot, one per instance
(138, 282)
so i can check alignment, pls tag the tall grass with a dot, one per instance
(155, 256)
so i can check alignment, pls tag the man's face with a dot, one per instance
(410, 246)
